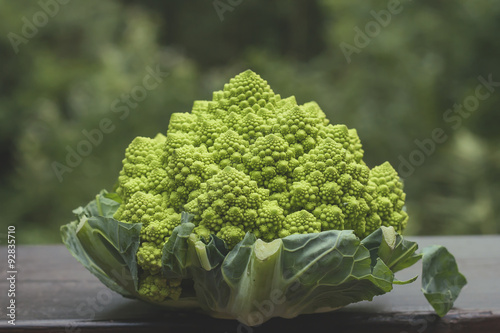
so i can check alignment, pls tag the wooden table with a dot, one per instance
(54, 293)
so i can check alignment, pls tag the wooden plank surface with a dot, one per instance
(56, 294)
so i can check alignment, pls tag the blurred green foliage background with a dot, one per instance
(394, 81)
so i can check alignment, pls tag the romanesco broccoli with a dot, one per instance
(250, 161)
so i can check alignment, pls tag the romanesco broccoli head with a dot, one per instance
(250, 161)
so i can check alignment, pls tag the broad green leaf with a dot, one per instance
(115, 275)
(297, 274)
(441, 280)
(105, 204)
(68, 233)
(113, 246)
(212, 253)
(397, 252)
(184, 250)
(177, 255)
(113, 196)
(106, 247)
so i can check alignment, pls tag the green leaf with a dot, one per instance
(105, 246)
(184, 250)
(176, 257)
(113, 246)
(105, 204)
(108, 265)
(210, 254)
(68, 233)
(286, 277)
(441, 280)
(113, 196)
(396, 252)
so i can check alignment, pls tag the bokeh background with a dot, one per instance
(394, 81)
